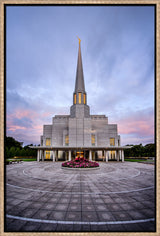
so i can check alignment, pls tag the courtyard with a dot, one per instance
(43, 197)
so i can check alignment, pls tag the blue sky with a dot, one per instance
(117, 45)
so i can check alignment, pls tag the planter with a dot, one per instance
(80, 169)
(80, 163)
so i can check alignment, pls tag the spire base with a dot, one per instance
(79, 111)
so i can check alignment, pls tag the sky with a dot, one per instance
(117, 46)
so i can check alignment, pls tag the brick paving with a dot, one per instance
(117, 197)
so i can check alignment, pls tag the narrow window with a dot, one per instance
(79, 96)
(75, 99)
(84, 98)
(112, 141)
(67, 140)
(93, 139)
(48, 142)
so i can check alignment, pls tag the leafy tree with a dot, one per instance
(12, 152)
(11, 142)
(30, 151)
(23, 152)
(7, 154)
(14, 148)
(141, 151)
(17, 151)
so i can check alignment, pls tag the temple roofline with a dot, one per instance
(80, 148)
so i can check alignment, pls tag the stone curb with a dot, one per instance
(80, 169)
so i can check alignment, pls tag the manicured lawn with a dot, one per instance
(138, 160)
(31, 159)
(135, 160)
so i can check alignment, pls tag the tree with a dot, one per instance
(14, 148)
(17, 151)
(150, 149)
(11, 142)
(6, 154)
(23, 152)
(12, 152)
(141, 151)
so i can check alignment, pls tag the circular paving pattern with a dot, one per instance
(44, 197)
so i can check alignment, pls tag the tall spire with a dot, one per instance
(79, 86)
(79, 107)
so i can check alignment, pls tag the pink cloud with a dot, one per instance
(17, 126)
(20, 113)
(140, 123)
(46, 114)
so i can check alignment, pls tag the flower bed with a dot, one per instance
(80, 162)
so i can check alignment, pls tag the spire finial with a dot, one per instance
(79, 40)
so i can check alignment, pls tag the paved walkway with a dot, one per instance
(44, 197)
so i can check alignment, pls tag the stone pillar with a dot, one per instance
(103, 154)
(109, 154)
(56, 155)
(106, 154)
(41, 155)
(93, 155)
(65, 154)
(43, 152)
(38, 155)
(122, 155)
(53, 156)
(69, 155)
(90, 155)
(117, 155)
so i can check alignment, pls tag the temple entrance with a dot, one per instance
(80, 154)
(47, 155)
(113, 155)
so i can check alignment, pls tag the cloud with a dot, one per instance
(118, 61)
(137, 126)
(24, 126)
(27, 125)
(135, 140)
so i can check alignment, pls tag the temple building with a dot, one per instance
(80, 133)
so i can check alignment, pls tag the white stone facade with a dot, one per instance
(80, 131)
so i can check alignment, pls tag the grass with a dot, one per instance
(137, 160)
(21, 159)
(31, 159)
(134, 160)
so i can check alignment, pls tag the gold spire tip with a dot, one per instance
(79, 39)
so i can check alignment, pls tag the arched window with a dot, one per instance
(67, 140)
(84, 98)
(93, 139)
(75, 98)
(112, 141)
(79, 98)
(48, 142)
